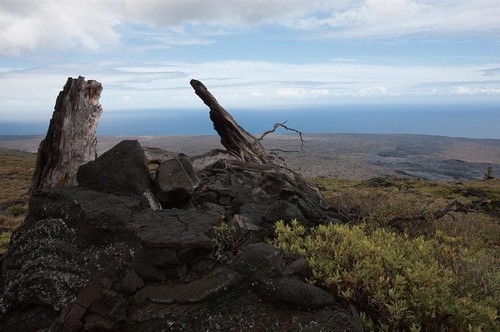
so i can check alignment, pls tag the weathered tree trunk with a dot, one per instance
(233, 137)
(248, 148)
(71, 138)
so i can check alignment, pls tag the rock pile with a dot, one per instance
(131, 249)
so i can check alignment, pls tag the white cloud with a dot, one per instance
(373, 91)
(491, 72)
(393, 18)
(229, 13)
(29, 25)
(53, 24)
(475, 91)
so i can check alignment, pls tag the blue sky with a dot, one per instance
(250, 53)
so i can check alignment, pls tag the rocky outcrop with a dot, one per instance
(130, 249)
(98, 257)
(71, 138)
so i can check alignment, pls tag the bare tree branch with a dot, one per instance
(455, 202)
(282, 124)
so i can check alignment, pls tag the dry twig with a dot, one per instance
(283, 125)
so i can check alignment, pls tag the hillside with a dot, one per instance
(405, 209)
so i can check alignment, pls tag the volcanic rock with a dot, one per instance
(103, 256)
(121, 171)
(175, 182)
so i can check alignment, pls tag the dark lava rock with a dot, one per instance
(175, 182)
(282, 210)
(261, 264)
(121, 171)
(98, 257)
(131, 282)
(293, 292)
(260, 195)
(96, 308)
(258, 261)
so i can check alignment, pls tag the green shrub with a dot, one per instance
(397, 282)
(4, 241)
(228, 239)
(15, 210)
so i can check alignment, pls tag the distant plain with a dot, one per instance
(344, 156)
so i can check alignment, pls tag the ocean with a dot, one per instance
(460, 120)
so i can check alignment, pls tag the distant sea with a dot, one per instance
(465, 120)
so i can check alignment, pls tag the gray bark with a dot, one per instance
(233, 137)
(71, 138)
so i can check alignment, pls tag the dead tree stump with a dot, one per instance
(71, 138)
(248, 148)
(233, 137)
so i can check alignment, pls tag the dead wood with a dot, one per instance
(233, 137)
(71, 139)
(453, 203)
(283, 125)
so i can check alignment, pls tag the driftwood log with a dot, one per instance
(71, 138)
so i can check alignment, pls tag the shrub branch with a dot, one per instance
(455, 202)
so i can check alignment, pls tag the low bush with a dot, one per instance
(228, 239)
(7, 225)
(15, 210)
(397, 282)
(4, 241)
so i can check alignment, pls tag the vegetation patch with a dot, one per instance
(397, 282)
(15, 210)
(412, 255)
(228, 239)
(16, 171)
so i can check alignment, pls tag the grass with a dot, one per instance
(386, 201)
(407, 206)
(16, 171)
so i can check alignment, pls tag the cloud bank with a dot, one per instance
(28, 26)
(258, 84)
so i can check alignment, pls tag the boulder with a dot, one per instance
(282, 210)
(96, 308)
(120, 171)
(259, 261)
(84, 254)
(175, 182)
(261, 264)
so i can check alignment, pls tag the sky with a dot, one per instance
(254, 54)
